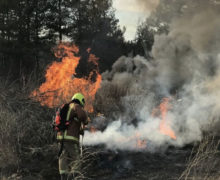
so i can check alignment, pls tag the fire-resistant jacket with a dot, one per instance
(77, 117)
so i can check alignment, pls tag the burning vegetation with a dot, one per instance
(60, 84)
(147, 112)
(164, 127)
(60, 81)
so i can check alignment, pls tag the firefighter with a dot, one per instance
(70, 150)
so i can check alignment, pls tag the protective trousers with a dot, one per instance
(69, 160)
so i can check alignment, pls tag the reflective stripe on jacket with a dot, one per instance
(64, 136)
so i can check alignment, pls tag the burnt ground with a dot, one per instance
(203, 160)
(108, 165)
(141, 165)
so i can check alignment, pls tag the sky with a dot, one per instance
(130, 15)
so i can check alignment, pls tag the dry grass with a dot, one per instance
(23, 124)
(83, 166)
(8, 155)
(204, 162)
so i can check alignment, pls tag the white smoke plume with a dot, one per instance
(186, 68)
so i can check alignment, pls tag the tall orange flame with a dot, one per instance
(164, 123)
(60, 84)
(164, 127)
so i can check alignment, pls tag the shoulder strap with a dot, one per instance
(71, 106)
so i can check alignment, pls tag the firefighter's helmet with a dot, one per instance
(79, 97)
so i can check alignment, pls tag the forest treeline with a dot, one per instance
(30, 29)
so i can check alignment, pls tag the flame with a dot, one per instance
(93, 129)
(141, 143)
(164, 127)
(60, 84)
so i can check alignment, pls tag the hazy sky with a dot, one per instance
(130, 15)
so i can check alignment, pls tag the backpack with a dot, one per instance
(60, 123)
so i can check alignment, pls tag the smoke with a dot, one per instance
(148, 5)
(186, 68)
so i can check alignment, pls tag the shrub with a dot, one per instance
(24, 124)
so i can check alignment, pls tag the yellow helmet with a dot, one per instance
(80, 98)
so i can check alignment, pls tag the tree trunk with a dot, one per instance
(3, 26)
(8, 30)
(60, 21)
(28, 20)
(36, 38)
(79, 23)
